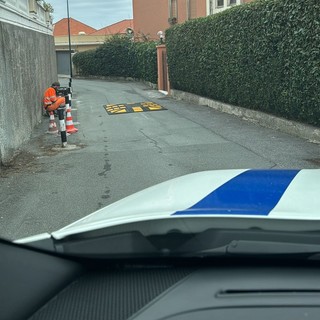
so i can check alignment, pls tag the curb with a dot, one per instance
(287, 126)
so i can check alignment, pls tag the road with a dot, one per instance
(116, 155)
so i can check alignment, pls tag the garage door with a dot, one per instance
(63, 62)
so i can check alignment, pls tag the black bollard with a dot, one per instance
(69, 98)
(62, 125)
(70, 85)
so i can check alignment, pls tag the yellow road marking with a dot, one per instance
(137, 109)
(118, 111)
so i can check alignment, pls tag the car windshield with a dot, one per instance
(179, 126)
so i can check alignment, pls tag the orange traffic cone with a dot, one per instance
(69, 122)
(52, 124)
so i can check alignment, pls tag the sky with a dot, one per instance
(94, 13)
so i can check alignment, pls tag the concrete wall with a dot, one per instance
(151, 16)
(80, 43)
(27, 67)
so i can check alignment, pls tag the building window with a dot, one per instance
(173, 12)
(216, 5)
(173, 8)
(220, 3)
(191, 9)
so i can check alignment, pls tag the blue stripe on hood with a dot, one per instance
(253, 192)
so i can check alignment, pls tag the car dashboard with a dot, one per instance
(40, 285)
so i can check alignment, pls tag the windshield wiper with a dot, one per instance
(259, 248)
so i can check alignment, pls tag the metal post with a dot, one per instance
(62, 123)
(70, 80)
(69, 99)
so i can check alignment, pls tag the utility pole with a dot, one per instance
(70, 80)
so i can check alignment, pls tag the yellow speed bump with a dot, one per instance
(132, 107)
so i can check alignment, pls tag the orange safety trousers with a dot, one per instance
(54, 106)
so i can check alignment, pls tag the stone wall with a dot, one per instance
(27, 67)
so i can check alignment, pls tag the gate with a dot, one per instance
(63, 62)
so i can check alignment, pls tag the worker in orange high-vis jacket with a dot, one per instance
(51, 101)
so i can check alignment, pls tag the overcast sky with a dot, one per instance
(95, 13)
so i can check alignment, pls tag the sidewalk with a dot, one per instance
(40, 144)
(300, 130)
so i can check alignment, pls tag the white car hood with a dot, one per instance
(248, 193)
(277, 194)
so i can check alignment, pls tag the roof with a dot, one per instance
(118, 27)
(61, 27)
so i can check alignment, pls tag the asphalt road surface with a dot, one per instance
(132, 147)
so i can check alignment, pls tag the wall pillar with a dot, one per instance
(163, 75)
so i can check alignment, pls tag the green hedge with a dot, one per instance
(85, 62)
(145, 57)
(119, 57)
(264, 55)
